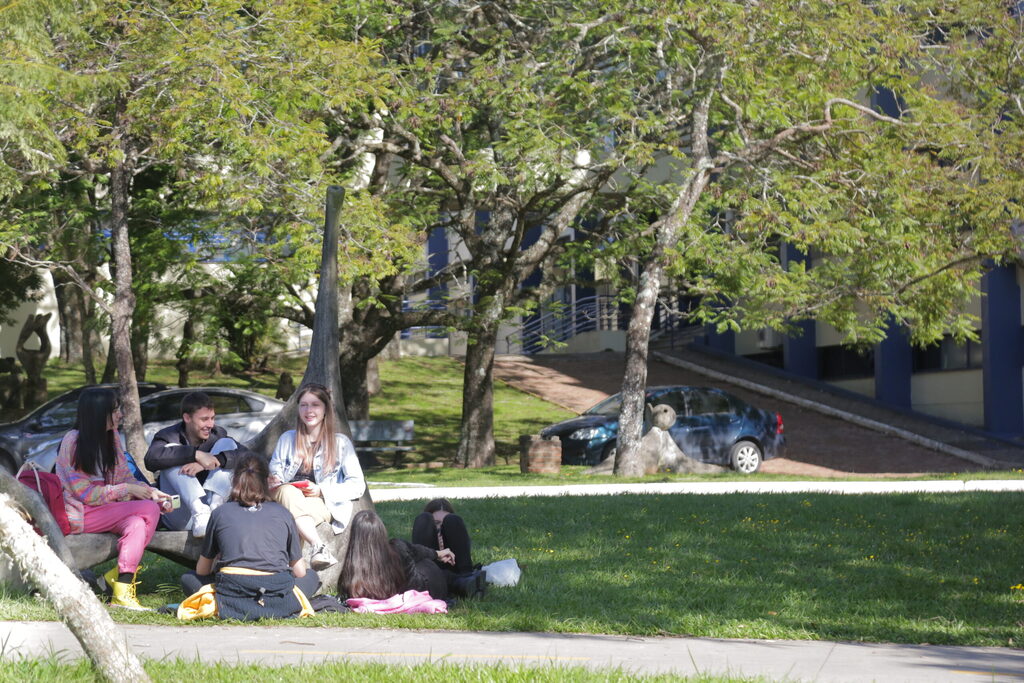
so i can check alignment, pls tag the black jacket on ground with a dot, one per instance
(421, 570)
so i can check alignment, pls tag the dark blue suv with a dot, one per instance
(711, 426)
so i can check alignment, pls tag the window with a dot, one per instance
(61, 415)
(226, 403)
(162, 409)
(842, 362)
(708, 403)
(948, 354)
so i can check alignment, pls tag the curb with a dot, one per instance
(702, 488)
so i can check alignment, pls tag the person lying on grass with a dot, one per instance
(378, 568)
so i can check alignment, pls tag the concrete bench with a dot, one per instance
(371, 437)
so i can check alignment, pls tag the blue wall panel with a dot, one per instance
(1001, 341)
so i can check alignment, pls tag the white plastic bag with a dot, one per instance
(503, 572)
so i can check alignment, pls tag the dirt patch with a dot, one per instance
(817, 445)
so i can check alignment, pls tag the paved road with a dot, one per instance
(777, 660)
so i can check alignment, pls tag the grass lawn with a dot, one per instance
(434, 672)
(908, 568)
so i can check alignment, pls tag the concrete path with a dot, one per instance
(380, 493)
(776, 660)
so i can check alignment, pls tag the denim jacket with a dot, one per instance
(339, 487)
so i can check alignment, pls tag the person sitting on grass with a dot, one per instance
(256, 548)
(439, 527)
(378, 568)
(315, 472)
(102, 494)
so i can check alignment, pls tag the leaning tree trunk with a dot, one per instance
(628, 460)
(101, 639)
(476, 441)
(322, 368)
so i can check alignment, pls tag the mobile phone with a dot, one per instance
(175, 501)
(300, 484)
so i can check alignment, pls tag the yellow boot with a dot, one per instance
(124, 593)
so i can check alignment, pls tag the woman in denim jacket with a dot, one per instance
(315, 473)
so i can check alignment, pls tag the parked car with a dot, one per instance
(711, 426)
(37, 436)
(45, 426)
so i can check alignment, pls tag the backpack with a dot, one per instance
(47, 485)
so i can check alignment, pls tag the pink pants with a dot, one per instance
(134, 521)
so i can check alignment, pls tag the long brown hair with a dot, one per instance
(249, 481)
(372, 567)
(325, 440)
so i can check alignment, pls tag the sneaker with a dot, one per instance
(199, 522)
(124, 596)
(322, 558)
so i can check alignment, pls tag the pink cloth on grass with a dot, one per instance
(409, 602)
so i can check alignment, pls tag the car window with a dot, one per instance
(228, 403)
(255, 405)
(676, 399)
(608, 407)
(162, 408)
(708, 403)
(61, 415)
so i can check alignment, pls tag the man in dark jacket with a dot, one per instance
(194, 459)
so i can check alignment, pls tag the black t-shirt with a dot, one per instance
(262, 537)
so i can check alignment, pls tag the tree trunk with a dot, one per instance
(124, 304)
(357, 395)
(476, 442)
(140, 350)
(372, 377)
(68, 316)
(90, 340)
(628, 460)
(101, 639)
(184, 355)
(110, 365)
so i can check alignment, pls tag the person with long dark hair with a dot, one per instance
(376, 567)
(315, 472)
(101, 494)
(439, 527)
(255, 547)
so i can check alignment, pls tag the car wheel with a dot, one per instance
(745, 457)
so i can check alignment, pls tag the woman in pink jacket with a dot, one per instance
(100, 493)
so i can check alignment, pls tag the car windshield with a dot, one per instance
(608, 407)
